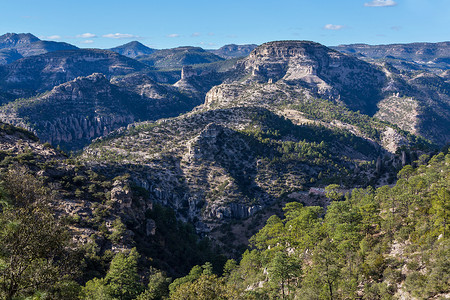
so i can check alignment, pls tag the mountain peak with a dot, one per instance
(133, 49)
(11, 40)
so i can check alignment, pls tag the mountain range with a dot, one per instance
(171, 146)
(434, 57)
(15, 46)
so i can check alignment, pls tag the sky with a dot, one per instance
(211, 24)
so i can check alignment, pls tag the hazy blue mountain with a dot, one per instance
(413, 56)
(40, 73)
(178, 57)
(13, 40)
(133, 49)
(233, 50)
(15, 46)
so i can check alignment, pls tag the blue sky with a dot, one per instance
(212, 24)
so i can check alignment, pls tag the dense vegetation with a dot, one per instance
(366, 245)
(370, 244)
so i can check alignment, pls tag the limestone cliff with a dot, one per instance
(280, 74)
(74, 113)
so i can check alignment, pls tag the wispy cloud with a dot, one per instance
(173, 35)
(396, 28)
(87, 42)
(120, 36)
(210, 33)
(86, 35)
(207, 44)
(51, 37)
(333, 27)
(195, 34)
(380, 3)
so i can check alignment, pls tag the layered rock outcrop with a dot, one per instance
(76, 112)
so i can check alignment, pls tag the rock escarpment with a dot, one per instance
(280, 74)
(26, 44)
(37, 74)
(74, 113)
(216, 165)
(321, 70)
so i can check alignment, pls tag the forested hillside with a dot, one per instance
(287, 170)
(384, 243)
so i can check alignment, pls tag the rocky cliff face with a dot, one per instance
(289, 73)
(325, 72)
(216, 165)
(418, 102)
(37, 74)
(74, 113)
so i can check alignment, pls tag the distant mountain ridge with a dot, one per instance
(233, 50)
(284, 72)
(37, 74)
(411, 51)
(75, 112)
(178, 57)
(14, 46)
(133, 49)
(272, 71)
(433, 57)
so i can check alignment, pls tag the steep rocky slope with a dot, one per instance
(284, 73)
(74, 113)
(104, 214)
(8, 55)
(224, 164)
(133, 49)
(419, 103)
(313, 67)
(37, 74)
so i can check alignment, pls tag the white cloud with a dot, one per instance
(396, 28)
(380, 3)
(120, 36)
(86, 35)
(195, 34)
(207, 44)
(87, 42)
(51, 37)
(173, 35)
(333, 27)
